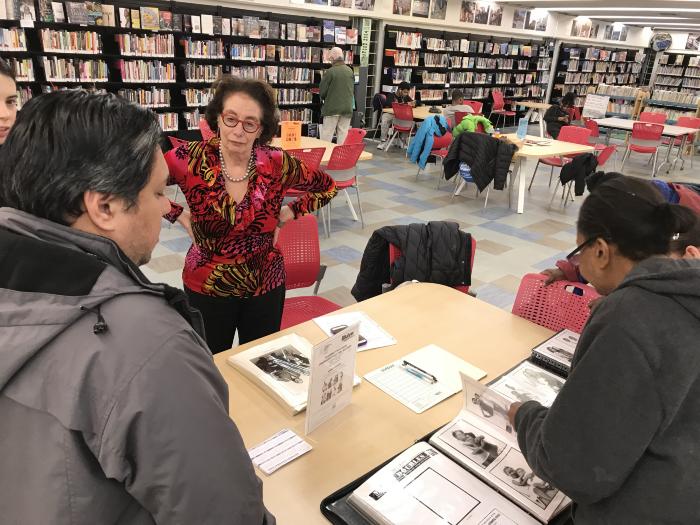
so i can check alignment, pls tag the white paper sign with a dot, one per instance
(332, 374)
(278, 450)
(374, 335)
(595, 106)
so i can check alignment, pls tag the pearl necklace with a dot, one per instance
(249, 171)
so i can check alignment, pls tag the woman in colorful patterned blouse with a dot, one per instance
(234, 184)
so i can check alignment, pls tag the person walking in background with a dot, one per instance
(337, 94)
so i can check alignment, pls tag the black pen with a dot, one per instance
(420, 371)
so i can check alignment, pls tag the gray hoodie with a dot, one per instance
(622, 439)
(115, 414)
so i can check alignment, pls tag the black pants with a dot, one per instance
(254, 317)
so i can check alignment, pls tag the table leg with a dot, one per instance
(679, 155)
(518, 174)
(667, 160)
(541, 123)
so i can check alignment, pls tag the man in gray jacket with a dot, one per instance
(111, 408)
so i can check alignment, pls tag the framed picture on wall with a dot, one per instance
(481, 16)
(438, 9)
(496, 15)
(402, 7)
(519, 18)
(421, 8)
(467, 11)
(693, 41)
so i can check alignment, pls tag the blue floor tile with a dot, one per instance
(550, 262)
(511, 230)
(495, 295)
(417, 203)
(494, 213)
(388, 186)
(344, 254)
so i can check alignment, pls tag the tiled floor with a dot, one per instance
(508, 245)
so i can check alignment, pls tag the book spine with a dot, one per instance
(76, 42)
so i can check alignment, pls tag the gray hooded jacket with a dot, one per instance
(622, 438)
(111, 408)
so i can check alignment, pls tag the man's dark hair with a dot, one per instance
(259, 91)
(457, 95)
(568, 100)
(6, 69)
(68, 142)
(404, 85)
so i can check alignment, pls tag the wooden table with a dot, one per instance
(375, 426)
(553, 148)
(669, 131)
(419, 113)
(312, 142)
(538, 108)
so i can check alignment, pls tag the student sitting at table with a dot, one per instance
(621, 437)
(457, 105)
(234, 184)
(401, 97)
(557, 116)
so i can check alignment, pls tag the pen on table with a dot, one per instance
(417, 371)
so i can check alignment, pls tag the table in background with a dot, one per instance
(419, 112)
(534, 107)
(313, 142)
(375, 426)
(669, 131)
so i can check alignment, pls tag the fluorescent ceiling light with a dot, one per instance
(671, 24)
(629, 17)
(628, 9)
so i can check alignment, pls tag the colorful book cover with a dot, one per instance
(313, 33)
(252, 26)
(94, 13)
(45, 11)
(226, 26)
(301, 33)
(328, 31)
(26, 11)
(150, 18)
(270, 50)
(340, 35)
(291, 31)
(177, 22)
(59, 15)
(77, 14)
(108, 18)
(165, 20)
(351, 35)
(207, 24)
(264, 29)
(274, 29)
(124, 17)
(218, 25)
(135, 19)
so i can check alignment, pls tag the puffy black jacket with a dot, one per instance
(578, 170)
(488, 158)
(437, 252)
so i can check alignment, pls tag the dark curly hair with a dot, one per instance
(6, 69)
(258, 90)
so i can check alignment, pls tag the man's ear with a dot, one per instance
(691, 252)
(102, 209)
(602, 253)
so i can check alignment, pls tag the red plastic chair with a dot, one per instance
(476, 106)
(499, 108)
(575, 134)
(685, 122)
(342, 166)
(441, 146)
(206, 131)
(554, 306)
(395, 253)
(403, 123)
(298, 242)
(655, 117)
(355, 136)
(646, 139)
(603, 157)
(176, 142)
(312, 157)
(459, 116)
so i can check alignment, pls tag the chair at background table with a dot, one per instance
(403, 123)
(499, 108)
(592, 125)
(355, 136)
(556, 306)
(685, 122)
(459, 116)
(603, 157)
(298, 242)
(176, 143)
(476, 106)
(575, 134)
(441, 146)
(646, 139)
(655, 117)
(342, 166)
(312, 158)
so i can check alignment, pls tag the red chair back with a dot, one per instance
(395, 253)
(575, 134)
(403, 117)
(345, 156)
(646, 131)
(206, 131)
(592, 125)
(554, 306)
(312, 157)
(298, 242)
(459, 115)
(176, 142)
(605, 154)
(655, 117)
(442, 142)
(476, 106)
(498, 102)
(355, 135)
(688, 122)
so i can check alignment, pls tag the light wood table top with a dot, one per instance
(313, 142)
(553, 148)
(419, 113)
(532, 104)
(375, 426)
(626, 125)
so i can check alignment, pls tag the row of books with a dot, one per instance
(408, 40)
(23, 68)
(691, 83)
(192, 118)
(668, 81)
(150, 98)
(620, 91)
(203, 72)
(304, 115)
(82, 42)
(666, 59)
(436, 60)
(589, 66)
(472, 93)
(471, 78)
(147, 71)
(12, 39)
(544, 64)
(294, 96)
(197, 97)
(594, 53)
(216, 49)
(694, 62)
(23, 94)
(431, 94)
(597, 78)
(146, 45)
(168, 121)
(399, 75)
(403, 57)
(692, 72)
(676, 71)
(620, 108)
(75, 70)
(433, 77)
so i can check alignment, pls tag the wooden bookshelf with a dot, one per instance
(678, 72)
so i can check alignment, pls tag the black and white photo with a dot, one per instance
(514, 470)
(286, 365)
(481, 16)
(472, 443)
(438, 9)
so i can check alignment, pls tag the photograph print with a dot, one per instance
(286, 365)
(438, 9)
(365, 5)
(421, 8)
(402, 7)
(530, 382)
(693, 41)
(481, 16)
(496, 15)
(519, 18)
(516, 473)
(341, 3)
(467, 11)
(472, 444)
(531, 21)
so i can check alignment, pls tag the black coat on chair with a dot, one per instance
(488, 158)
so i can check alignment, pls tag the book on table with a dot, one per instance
(557, 352)
(470, 471)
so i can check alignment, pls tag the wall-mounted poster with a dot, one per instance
(608, 33)
(341, 3)
(402, 7)
(496, 15)
(365, 5)
(541, 21)
(519, 18)
(467, 11)
(438, 9)
(693, 41)
(531, 22)
(421, 8)
(623, 33)
(481, 16)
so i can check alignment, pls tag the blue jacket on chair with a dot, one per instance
(422, 143)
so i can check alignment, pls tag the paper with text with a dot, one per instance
(376, 336)
(278, 450)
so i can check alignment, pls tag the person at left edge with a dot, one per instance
(8, 100)
(112, 411)
(234, 184)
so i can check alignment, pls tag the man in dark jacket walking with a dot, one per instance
(337, 94)
(112, 409)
